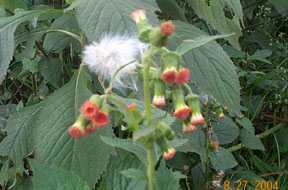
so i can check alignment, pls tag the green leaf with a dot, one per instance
(23, 183)
(213, 12)
(171, 9)
(188, 45)
(250, 140)
(196, 143)
(97, 18)
(8, 26)
(128, 145)
(115, 180)
(282, 139)
(13, 4)
(134, 173)
(46, 177)
(51, 70)
(211, 69)
(280, 5)
(57, 41)
(166, 179)
(45, 127)
(246, 123)
(227, 131)
(5, 111)
(222, 159)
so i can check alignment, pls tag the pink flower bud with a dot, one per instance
(169, 75)
(188, 128)
(183, 76)
(88, 109)
(132, 106)
(169, 154)
(159, 101)
(100, 119)
(75, 132)
(182, 112)
(167, 28)
(138, 15)
(197, 119)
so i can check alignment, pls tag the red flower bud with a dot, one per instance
(169, 75)
(75, 132)
(132, 106)
(197, 119)
(189, 128)
(100, 119)
(138, 15)
(169, 154)
(167, 28)
(159, 101)
(183, 76)
(182, 112)
(90, 129)
(88, 109)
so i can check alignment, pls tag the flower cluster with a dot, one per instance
(94, 115)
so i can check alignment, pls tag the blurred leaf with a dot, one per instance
(114, 175)
(8, 26)
(43, 127)
(96, 18)
(51, 70)
(128, 145)
(188, 45)
(134, 173)
(30, 65)
(282, 139)
(13, 4)
(170, 8)
(57, 41)
(23, 183)
(47, 177)
(213, 13)
(226, 130)
(280, 5)
(198, 179)
(250, 140)
(5, 112)
(166, 179)
(222, 159)
(211, 69)
(246, 123)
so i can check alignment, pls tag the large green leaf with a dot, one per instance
(222, 159)
(166, 179)
(213, 12)
(47, 177)
(115, 180)
(250, 140)
(45, 127)
(211, 69)
(226, 130)
(8, 26)
(13, 4)
(280, 5)
(97, 18)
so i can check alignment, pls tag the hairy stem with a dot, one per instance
(146, 60)
(151, 166)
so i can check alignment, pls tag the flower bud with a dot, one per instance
(138, 15)
(101, 118)
(132, 107)
(167, 28)
(134, 117)
(169, 154)
(170, 60)
(156, 38)
(183, 76)
(188, 128)
(182, 111)
(159, 94)
(194, 103)
(89, 109)
(77, 130)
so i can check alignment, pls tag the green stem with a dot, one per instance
(261, 135)
(146, 61)
(151, 166)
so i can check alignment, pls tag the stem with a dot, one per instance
(261, 135)
(146, 60)
(151, 166)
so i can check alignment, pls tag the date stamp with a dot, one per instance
(259, 185)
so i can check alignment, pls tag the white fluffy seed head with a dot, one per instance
(111, 53)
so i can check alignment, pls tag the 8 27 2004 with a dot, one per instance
(259, 185)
